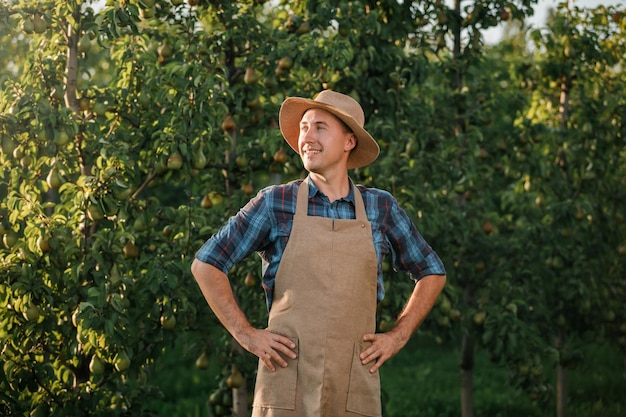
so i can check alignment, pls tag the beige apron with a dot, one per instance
(325, 301)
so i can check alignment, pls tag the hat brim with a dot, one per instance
(291, 113)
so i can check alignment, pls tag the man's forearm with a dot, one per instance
(421, 301)
(218, 293)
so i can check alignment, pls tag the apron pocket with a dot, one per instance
(364, 390)
(277, 389)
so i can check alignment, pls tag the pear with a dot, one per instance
(84, 104)
(8, 145)
(165, 50)
(43, 243)
(445, 306)
(115, 274)
(280, 156)
(175, 161)
(199, 160)
(250, 77)
(206, 202)
(147, 13)
(122, 362)
(479, 318)
(241, 161)
(26, 161)
(84, 44)
(130, 250)
(32, 313)
(168, 321)
(39, 25)
(140, 224)
(96, 366)
(94, 213)
(250, 280)
(61, 138)
(247, 188)
(54, 179)
(28, 26)
(285, 63)
(168, 230)
(235, 379)
(99, 108)
(203, 361)
(228, 125)
(18, 152)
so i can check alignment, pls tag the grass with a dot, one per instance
(598, 388)
(424, 380)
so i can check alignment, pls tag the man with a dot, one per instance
(322, 241)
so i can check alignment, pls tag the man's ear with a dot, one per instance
(350, 142)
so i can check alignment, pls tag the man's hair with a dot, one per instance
(346, 128)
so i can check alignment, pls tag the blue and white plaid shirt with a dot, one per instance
(263, 225)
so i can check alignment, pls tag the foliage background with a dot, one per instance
(131, 130)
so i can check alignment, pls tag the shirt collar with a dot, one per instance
(313, 190)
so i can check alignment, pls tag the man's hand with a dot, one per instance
(384, 346)
(421, 301)
(269, 347)
(218, 293)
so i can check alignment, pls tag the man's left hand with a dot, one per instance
(421, 301)
(384, 346)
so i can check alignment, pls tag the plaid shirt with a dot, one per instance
(263, 225)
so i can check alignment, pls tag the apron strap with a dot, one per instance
(359, 206)
(302, 202)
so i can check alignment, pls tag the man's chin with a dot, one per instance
(308, 165)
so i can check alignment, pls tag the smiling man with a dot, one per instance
(322, 241)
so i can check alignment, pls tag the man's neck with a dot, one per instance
(334, 187)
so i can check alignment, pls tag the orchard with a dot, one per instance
(130, 130)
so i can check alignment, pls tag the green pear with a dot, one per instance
(54, 178)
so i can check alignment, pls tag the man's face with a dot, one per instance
(324, 144)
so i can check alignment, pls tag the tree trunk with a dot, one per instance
(561, 370)
(71, 67)
(467, 376)
(561, 379)
(240, 395)
(561, 390)
(459, 125)
(240, 400)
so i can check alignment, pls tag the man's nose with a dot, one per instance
(306, 135)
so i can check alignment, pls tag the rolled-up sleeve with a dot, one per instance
(411, 252)
(243, 234)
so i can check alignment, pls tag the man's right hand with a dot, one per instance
(218, 293)
(270, 347)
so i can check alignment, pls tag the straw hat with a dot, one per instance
(342, 106)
